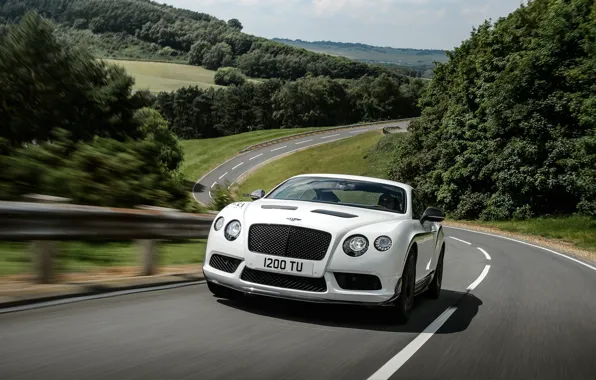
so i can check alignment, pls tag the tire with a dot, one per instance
(220, 291)
(434, 289)
(405, 302)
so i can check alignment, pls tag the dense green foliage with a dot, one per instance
(69, 126)
(508, 128)
(170, 32)
(411, 62)
(308, 102)
(226, 76)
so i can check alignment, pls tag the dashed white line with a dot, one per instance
(223, 175)
(237, 166)
(276, 149)
(485, 253)
(480, 278)
(303, 142)
(356, 132)
(257, 156)
(463, 241)
(328, 137)
(396, 362)
(214, 183)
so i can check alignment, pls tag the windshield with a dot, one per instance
(343, 192)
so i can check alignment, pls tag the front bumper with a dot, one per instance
(334, 294)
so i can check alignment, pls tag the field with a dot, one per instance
(200, 156)
(162, 76)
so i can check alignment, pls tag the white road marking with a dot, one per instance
(328, 137)
(485, 253)
(356, 132)
(96, 296)
(214, 183)
(223, 175)
(396, 362)
(480, 278)
(463, 241)
(276, 149)
(229, 187)
(303, 142)
(210, 195)
(257, 156)
(531, 245)
(237, 166)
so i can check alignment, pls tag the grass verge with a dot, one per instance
(16, 257)
(348, 156)
(202, 155)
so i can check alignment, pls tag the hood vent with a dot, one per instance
(335, 213)
(279, 207)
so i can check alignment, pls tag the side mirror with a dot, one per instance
(432, 214)
(257, 194)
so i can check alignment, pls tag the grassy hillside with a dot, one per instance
(410, 58)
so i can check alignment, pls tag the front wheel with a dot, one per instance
(220, 291)
(434, 289)
(405, 302)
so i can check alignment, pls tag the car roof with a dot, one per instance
(358, 178)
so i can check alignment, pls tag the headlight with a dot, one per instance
(383, 243)
(219, 223)
(233, 230)
(356, 245)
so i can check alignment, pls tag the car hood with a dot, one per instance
(327, 217)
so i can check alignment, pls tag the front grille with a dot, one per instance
(285, 281)
(224, 263)
(288, 241)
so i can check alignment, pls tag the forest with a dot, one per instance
(508, 125)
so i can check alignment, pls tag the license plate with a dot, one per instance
(285, 266)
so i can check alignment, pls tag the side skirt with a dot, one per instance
(422, 285)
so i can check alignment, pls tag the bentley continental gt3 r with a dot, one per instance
(332, 239)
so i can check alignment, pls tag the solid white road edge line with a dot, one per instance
(214, 183)
(531, 245)
(357, 131)
(485, 253)
(223, 175)
(463, 241)
(257, 156)
(328, 137)
(303, 142)
(276, 149)
(96, 296)
(237, 166)
(480, 278)
(396, 362)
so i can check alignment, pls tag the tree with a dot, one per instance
(219, 55)
(197, 52)
(226, 76)
(235, 24)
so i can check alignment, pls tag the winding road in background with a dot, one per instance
(508, 310)
(229, 172)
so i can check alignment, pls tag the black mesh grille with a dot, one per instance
(224, 263)
(288, 241)
(284, 281)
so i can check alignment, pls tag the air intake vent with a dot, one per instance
(224, 263)
(307, 284)
(288, 241)
(335, 213)
(279, 207)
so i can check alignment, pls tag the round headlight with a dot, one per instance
(383, 243)
(233, 230)
(355, 245)
(219, 223)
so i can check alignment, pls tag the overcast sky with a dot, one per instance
(426, 24)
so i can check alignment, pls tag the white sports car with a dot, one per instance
(331, 239)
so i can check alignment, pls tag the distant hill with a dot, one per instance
(420, 60)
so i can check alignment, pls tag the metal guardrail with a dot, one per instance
(387, 130)
(44, 224)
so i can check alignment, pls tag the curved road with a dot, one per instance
(514, 312)
(229, 172)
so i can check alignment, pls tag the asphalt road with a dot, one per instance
(229, 172)
(520, 313)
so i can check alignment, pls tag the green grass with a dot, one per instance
(202, 155)
(162, 76)
(580, 231)
(15, 257)
(342, 157)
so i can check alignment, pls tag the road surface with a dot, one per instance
(520, 313)
(229, 172)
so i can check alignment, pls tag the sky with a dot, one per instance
(422, 24)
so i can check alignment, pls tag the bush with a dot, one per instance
(221, 197)
(226, 76)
